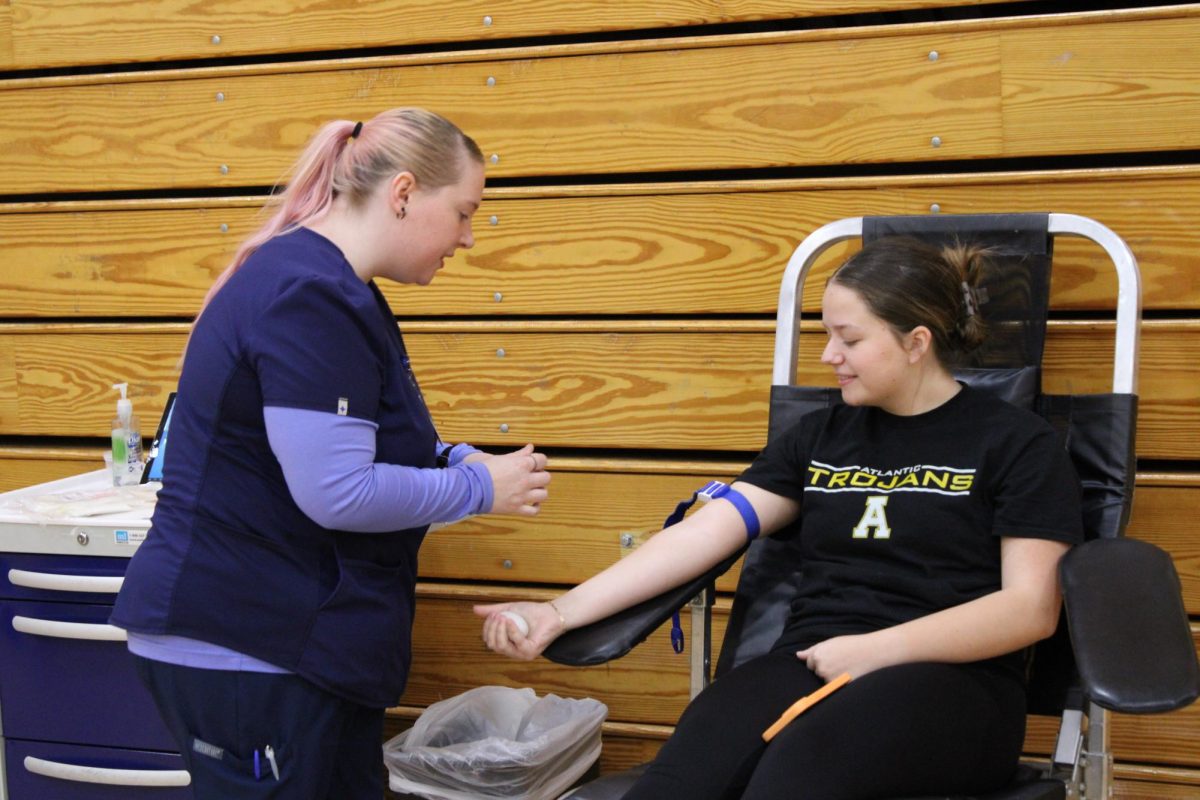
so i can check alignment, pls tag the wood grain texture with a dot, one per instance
(1157, 790)
(68, 374)
(6, 35)
(69, 32)
(713, 251)
(1052, 77)
(869, 96)
(115, 261)
(628, 385)
(716, 107)
(1163, 515)
(691, 390)
(22, 466)
(696, 249)
(1156, 782)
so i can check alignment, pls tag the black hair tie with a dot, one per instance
(357, 130)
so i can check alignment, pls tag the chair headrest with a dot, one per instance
(1017, 385)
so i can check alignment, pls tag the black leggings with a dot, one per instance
(907, 730)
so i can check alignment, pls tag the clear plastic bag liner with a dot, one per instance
(496, 742)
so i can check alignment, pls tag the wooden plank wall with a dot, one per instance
(651, 166)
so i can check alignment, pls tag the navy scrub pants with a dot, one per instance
(913, 729)
(254, 736)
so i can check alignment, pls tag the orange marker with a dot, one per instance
(804, 704)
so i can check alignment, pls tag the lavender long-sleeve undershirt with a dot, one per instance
(329, 464)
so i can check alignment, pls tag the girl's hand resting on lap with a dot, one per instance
(503, 635)
(856, 655)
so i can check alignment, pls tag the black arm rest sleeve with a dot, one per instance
(1129, 629)
(613, 637)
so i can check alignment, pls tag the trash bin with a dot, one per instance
(496, 742)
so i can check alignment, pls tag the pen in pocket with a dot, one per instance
(270, 753)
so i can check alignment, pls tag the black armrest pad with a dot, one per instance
(614, 636)
(1128, 626)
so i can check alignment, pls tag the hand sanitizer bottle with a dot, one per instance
(126, 442)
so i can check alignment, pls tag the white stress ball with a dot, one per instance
(520, 622)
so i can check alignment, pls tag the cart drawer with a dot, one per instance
(66, 676)
(78, 579)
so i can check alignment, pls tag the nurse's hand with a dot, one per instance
(519, 481)
(503, 635)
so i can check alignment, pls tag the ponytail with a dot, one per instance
(969, 262)
(308, 195)
(349, 159)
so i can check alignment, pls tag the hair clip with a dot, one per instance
(968, 299)
(357, 130)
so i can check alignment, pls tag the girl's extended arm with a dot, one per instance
(668, 559)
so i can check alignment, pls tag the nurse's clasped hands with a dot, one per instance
(519, 481)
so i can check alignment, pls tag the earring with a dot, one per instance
(402, 213)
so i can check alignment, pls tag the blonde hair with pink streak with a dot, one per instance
(333, 164)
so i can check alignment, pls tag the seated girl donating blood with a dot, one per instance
(931, 517)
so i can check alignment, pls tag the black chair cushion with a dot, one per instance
(1128, 626)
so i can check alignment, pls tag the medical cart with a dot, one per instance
(75, 721)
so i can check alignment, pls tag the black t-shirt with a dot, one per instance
(901, 517)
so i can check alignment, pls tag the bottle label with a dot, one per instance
(126, 457)
(133, 449)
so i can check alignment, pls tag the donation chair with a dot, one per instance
(1124, 645)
